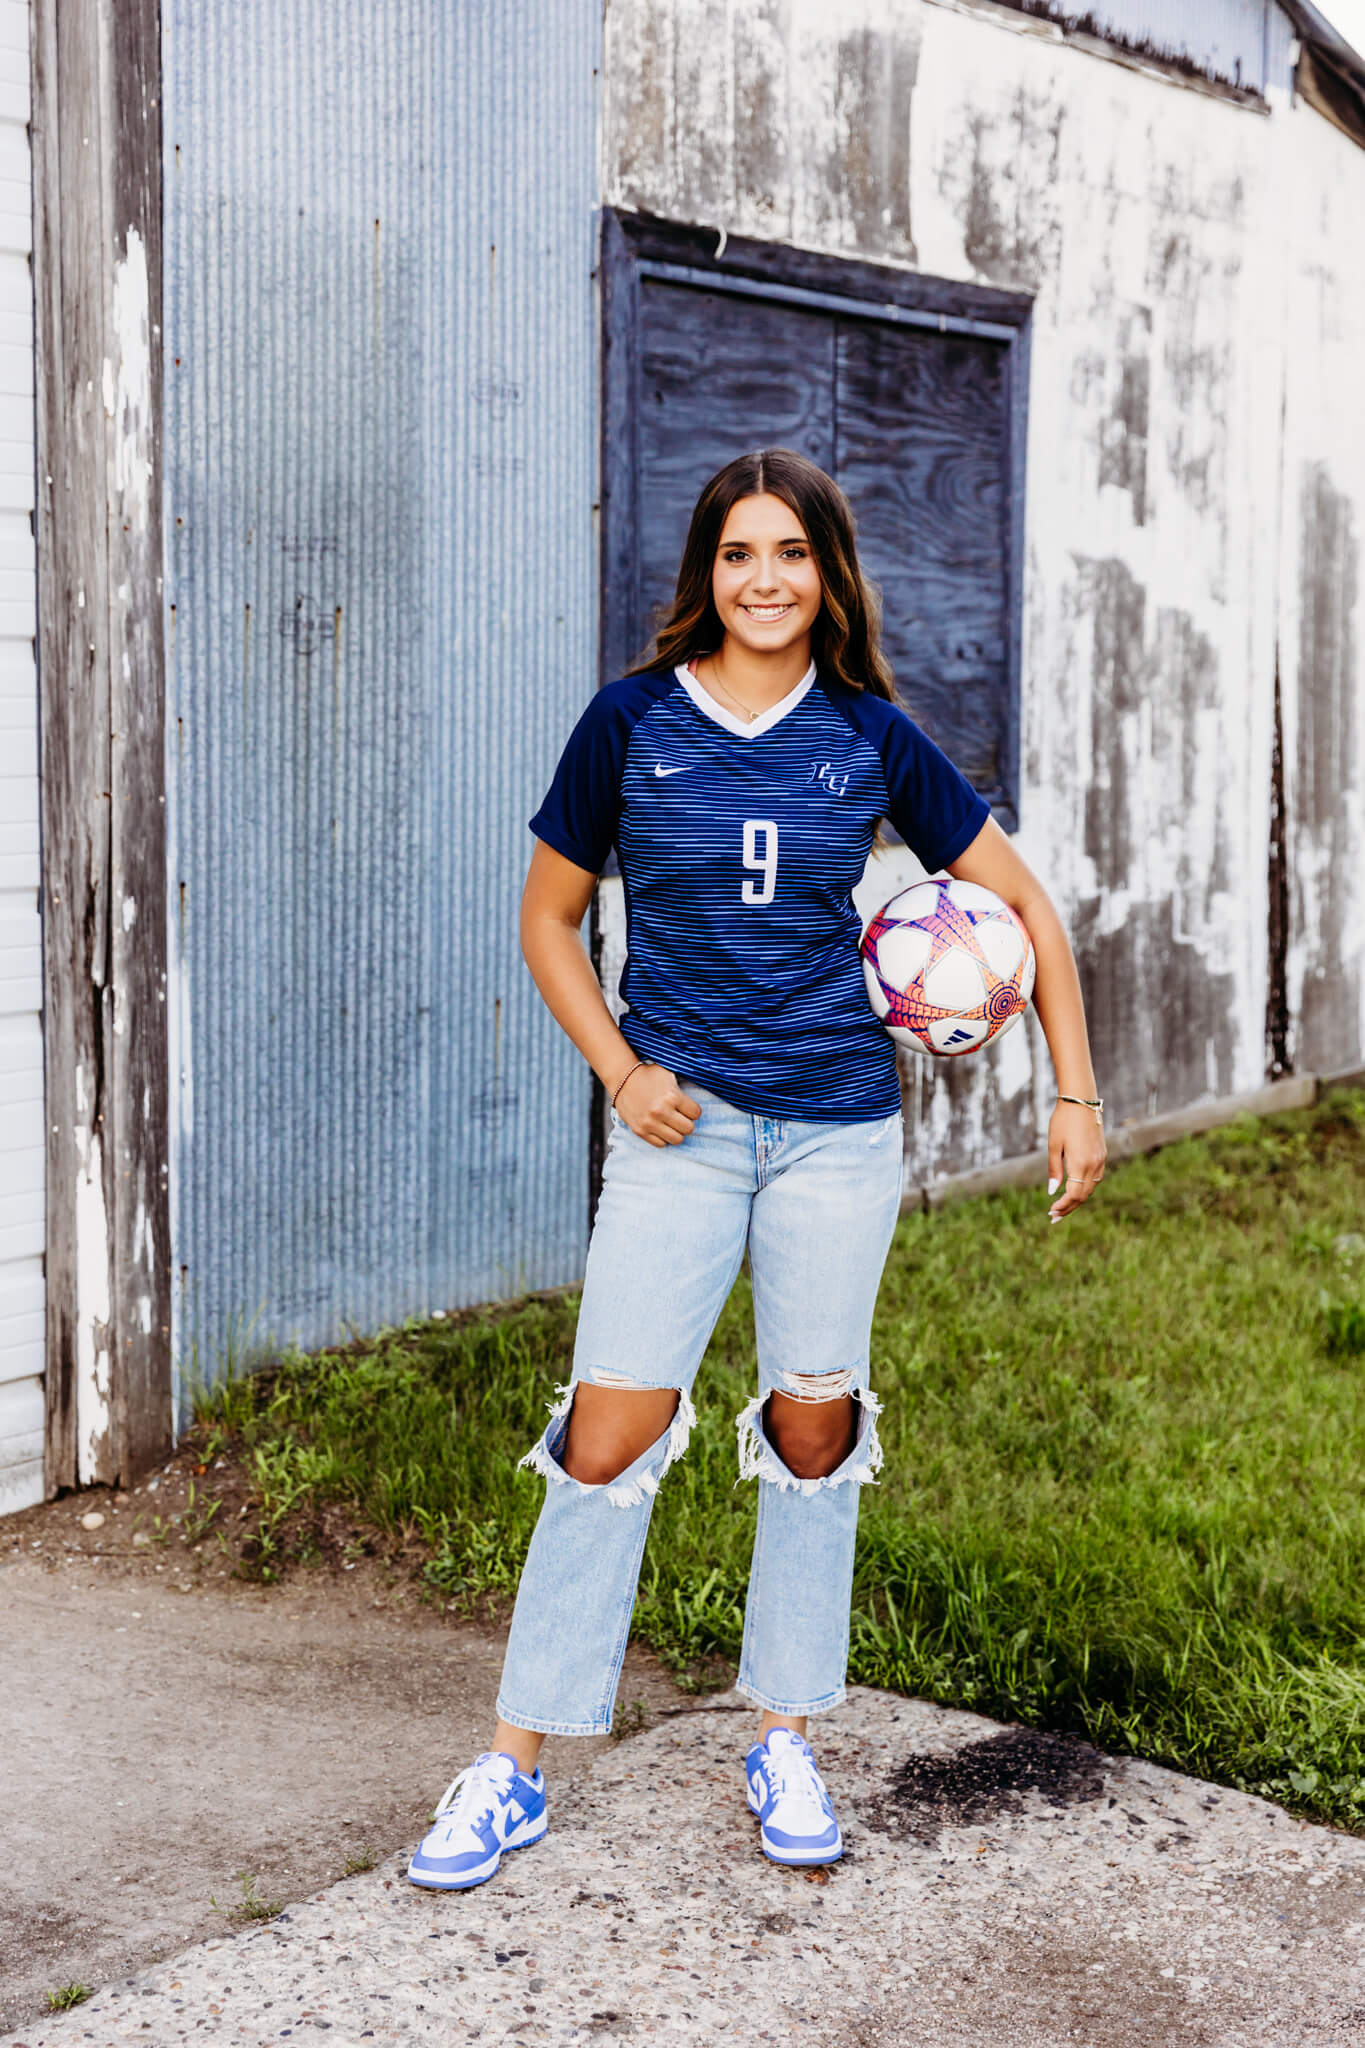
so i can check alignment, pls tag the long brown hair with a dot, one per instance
(846, 636)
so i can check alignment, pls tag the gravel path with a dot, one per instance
(1000, 1888)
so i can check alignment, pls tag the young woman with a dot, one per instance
(741, 774)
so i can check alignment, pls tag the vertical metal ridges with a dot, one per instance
(381, 603)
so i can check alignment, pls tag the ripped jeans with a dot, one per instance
(816, 1204)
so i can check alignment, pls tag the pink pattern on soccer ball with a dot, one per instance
(908, 1009)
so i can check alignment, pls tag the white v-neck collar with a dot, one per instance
(741, 728)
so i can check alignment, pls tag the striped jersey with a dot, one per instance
(740, 847)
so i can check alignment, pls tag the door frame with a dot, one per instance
(635, 246)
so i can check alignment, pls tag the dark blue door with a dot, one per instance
(920, 423)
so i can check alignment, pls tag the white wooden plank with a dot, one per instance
(16, 490)
(24, 1239)
(21, 1407)
(21, 1292)
(17, 550)
(15, 580)
(19, 1190)
(19, 615)
(21, 1484)
(16, 227)
(21, 1345)
(16, 324)
(14, 35)
(17, 665)
(21, 1139)
(20, 931)
(17, 431)
(20, 993)
(14, 99)
(16, 156)
(19, 725)
(20, 867)
(19, 799)
(21, 1058)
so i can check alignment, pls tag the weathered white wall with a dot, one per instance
(21, 1045)
(1196, 461)
(1322, 674)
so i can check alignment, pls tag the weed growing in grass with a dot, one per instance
(1121, 1492)
(199, 1516)
(68, 1995)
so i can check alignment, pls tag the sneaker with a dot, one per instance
(796, 1819)
(489, 1807)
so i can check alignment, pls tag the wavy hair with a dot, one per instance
(846, 635)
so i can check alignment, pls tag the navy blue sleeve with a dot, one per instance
(929, 801)
(582, 806)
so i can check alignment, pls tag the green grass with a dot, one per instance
(1122, 1491)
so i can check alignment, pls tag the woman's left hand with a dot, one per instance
(1075, 1157)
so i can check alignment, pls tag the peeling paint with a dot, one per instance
(1123, 437)
(127, 384)
(1328, 840)
(93, 1296)
(1009, 194)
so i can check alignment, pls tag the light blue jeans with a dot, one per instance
(816, 1204)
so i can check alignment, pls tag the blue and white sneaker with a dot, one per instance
(796, 1819)
(489, 1807)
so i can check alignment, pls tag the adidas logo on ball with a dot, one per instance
(948, 966)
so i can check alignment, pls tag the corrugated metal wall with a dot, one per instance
(381, 474)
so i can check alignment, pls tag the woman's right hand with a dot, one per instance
(655, 1107)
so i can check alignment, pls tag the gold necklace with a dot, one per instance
(750, 715)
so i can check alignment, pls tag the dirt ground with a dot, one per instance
(166, 1728)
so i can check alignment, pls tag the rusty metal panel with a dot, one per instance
(380, 484)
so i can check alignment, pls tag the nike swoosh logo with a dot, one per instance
(659, 769)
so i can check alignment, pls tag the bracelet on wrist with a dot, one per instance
(1095, 1102)
(626, 1076)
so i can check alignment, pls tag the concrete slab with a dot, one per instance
(999, 1888)
(161, 1735)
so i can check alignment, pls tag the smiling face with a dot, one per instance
(765, 583)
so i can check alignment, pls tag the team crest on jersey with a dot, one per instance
(828, 778)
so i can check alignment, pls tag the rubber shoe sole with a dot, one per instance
(795, 1858)
(521, 1837)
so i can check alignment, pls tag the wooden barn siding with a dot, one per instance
(96, 134)
(1195, 483)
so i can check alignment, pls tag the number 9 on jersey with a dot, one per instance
(760, 857)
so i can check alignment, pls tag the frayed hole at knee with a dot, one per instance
(638, 1480)
(759, 1459)
(819, 1386)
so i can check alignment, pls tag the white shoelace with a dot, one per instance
(796, 1775)
(467, 1797)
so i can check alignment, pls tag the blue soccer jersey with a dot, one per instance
(740, 847)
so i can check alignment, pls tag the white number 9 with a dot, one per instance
(762, 860)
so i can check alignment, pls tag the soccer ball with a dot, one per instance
(948, 967)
